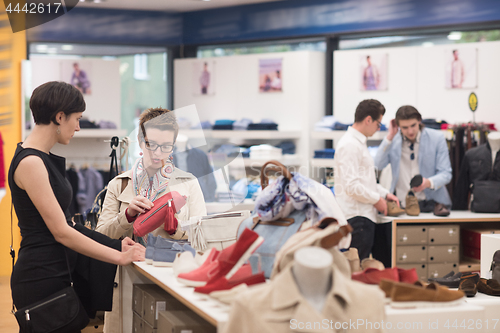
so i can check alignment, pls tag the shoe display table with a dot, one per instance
(477, 314)
(213, 311)
(463, 318)
(464, 219)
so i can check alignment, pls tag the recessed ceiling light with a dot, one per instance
(67, 47)
(427, 44)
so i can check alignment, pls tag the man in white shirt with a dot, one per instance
(356, 188)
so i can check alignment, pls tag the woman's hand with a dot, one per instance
(135, 252)
(127, 243)
(139, 205)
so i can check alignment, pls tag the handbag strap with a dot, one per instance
(13, 254)
(279, 167)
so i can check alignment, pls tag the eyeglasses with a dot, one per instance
(153, 146)
(379, 124)
(412, 156)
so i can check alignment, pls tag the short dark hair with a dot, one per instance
(162, 119)
(407, 112)
(369, 107)
(53, 97)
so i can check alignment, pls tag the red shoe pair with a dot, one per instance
(218, 273)
(373, 275)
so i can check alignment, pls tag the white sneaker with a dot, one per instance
(184, 262)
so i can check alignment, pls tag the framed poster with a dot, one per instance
(204, 78)
(461, 68)
(270, 75)
(373, 72)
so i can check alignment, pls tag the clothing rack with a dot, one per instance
(465, 136)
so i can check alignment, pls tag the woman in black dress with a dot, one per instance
(41, 195)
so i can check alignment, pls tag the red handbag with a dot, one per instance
(162, 213)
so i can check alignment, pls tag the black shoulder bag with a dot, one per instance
(61, 312)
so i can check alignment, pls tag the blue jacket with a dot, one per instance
(433, 162)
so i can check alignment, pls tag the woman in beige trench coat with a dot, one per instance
(152, 176)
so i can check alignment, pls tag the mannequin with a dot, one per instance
(494, 141)
(312, 270)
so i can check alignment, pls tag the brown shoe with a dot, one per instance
(412, 208)
(393, 209)
(441, 210)
(468, 287)
(387, 286)
(433, 295)
(488, 287)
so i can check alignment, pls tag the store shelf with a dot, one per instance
(254, 135)
(95, 133)
(322, 162)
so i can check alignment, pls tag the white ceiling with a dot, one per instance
(168, 5)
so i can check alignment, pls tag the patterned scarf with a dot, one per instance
(150, 188)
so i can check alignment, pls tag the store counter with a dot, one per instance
(213, 311)
(462, 218)
(479, 313)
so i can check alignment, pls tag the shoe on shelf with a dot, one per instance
(353, 258)
(242, 276)
(210, 255)
(228, 262)
(408, 275)
(489, 287)
(387, 285)
(373, 263)
(468, 287)
(164, 257)
(441, 210)
(407, 296)
(227, 296)
(393, 209)
(150, 248)
(451, 280)
(412, 208)
(184, 263)
(373, 275)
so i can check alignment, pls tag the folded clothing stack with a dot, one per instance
(223, 124)
(265, 152)
(324, 153)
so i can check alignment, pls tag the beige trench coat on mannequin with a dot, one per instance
(113, 222)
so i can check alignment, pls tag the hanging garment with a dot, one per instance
(279, 306)
(476, 165)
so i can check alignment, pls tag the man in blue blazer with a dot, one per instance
(415, 150)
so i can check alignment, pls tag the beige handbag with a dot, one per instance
(215, 231)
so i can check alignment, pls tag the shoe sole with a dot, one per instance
(162, 264)
(251, 249)
(191, 283)
(428, 304)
